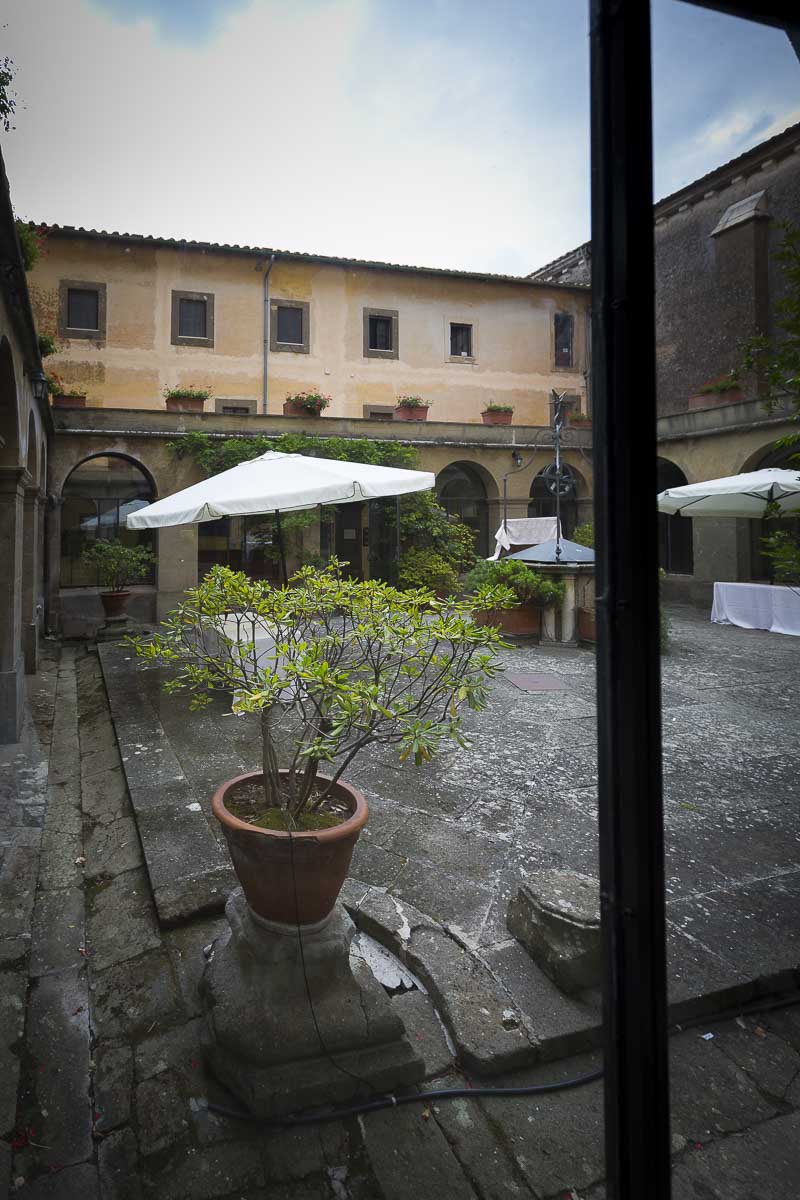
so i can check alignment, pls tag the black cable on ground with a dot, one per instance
(391, 1101)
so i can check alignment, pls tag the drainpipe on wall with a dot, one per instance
(266, 333)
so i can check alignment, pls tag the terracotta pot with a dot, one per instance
(114, 604)
(262, 858)
(580, 423)
(525, 621)
(587, 627)
(59, 401)
(184, 404)
(496, 418)
(714, 399)
(411, 414)
(292, 409)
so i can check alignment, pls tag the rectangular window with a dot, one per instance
(290, 325)
(83, 309)
(460, 341)
(235, 410)
(380, 333)
(192, 318)
(564, 324)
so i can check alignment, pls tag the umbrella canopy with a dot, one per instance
(276, 482)
(545, 552)
(743, 495)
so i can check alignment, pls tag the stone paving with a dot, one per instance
(102, 1089)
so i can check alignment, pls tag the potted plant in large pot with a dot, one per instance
(331, 665)
(305, 404)
(117, 566)
(411, 408)
(186, 398)
(497, 414)
(532, 592)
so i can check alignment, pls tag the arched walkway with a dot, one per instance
(760, 565)
(675, 534)
(462, 491)
(542, 499)
(97, 497)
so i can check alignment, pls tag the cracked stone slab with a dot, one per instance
(13, 987)
(227, 1169)
(710, 1094)
(481, 1017)
(113, 1084)
(73, 1183)
(120, 921)
(112, 848)
(131, 998)
(411, 1157)
(190, 873)
(117, 1160)
(763, 1161)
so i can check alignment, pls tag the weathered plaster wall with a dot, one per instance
(512, 332)
(712, 292)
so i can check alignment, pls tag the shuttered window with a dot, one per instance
(380, 333)
(564, 325)
(290, 326)
(192, 318)
(83, 308)
(460, 341)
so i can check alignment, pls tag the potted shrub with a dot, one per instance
(497, 414)
(62, 396)
(117, 567)
(725, 390)
(305, 404)
(346, 664)
(427, 568)
(411, 408)
(532, 592)
(186, 399)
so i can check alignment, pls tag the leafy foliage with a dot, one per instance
(30, 243)
(187, 392)
(584, 534)
(528, 585)
(491, 407)
(782, 548)
(428, 568)
(353, 663)
(47, 345)
(8, 98)
(310, 402)
(57, 387)
(118, 565)
(412, 402)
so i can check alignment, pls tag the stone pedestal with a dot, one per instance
(264, 1045)
(556, 916)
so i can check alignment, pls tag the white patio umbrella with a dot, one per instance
(744, 495)
(276, 483)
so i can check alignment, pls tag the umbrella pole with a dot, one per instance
(397, 536)
(281, 547)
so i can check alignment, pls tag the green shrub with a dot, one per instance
(783, 551)
(30, 243)
(47, 345)
(499, 408)
(584, 534)
(428, 569)
(412, 402)
(528, 585)
(118, 565)
(188, 392)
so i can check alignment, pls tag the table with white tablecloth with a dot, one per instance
(757, 606)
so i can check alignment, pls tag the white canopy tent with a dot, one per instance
(276, 483)
(745, 495)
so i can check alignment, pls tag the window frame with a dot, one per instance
(179, 339)
(557, 366)
(70, 332)
(277, 347)
(394, 316)
(448, 343)
(249, 405)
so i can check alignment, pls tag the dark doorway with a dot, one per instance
(461, 491)
(348, 537)
(675, 534)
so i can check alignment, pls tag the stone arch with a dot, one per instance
(10, 423)
(542, 497)
(464, 490)
(96, 496)
(675, 534)
(769, 455)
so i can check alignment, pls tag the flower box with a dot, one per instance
(406, 413)
(495, 417)
(64, 400)
(293, 408)
(185, 403)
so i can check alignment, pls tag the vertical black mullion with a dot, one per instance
(628, 668)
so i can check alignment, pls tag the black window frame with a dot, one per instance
(455, 328)
(279, 347)
(182, 339)
(567, 320)
(387, 314)
(76, 332)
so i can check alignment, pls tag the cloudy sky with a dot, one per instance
(437, 132)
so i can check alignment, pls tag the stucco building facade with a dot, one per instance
(719, 280)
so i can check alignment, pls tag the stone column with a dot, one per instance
(177, 566)
(31, 573)
(52, 555)
(13, 481)
(568, 610)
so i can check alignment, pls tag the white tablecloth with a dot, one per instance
(757, 606)
(524, 531)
